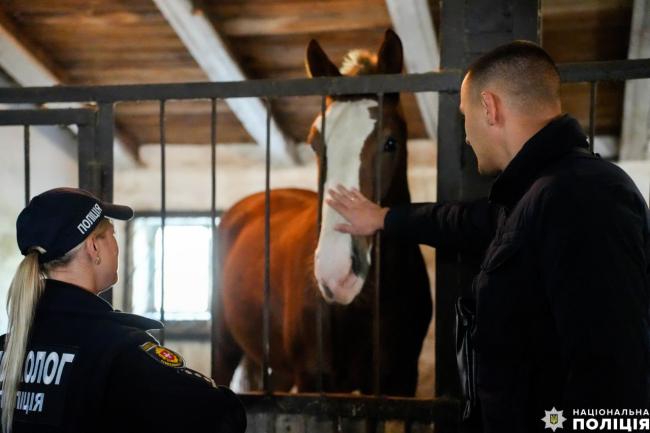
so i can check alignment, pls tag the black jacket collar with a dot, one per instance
(61, 297)
(560, 136)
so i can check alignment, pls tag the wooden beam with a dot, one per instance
(28, 66)
(413, 23)
(211, 53)
(635, 139)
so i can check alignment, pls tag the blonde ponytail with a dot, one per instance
(25, 290)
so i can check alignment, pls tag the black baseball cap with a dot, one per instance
(58, 220)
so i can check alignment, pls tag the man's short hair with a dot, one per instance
(522, 69)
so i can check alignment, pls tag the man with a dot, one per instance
(560, 316)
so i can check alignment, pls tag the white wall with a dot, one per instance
(53, 164)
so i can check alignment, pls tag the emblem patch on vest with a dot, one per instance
(163, 355)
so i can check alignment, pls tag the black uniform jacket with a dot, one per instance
(89, 368)
(560, 310)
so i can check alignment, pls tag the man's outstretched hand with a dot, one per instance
(364, 217)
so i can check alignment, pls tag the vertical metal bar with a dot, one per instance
(267, 258)
(26, 143)
(593, 90)
(103, 168)
(104, 151)
(216, 298)
(322, 161)
(376, 331)
(163, 216)
(87, 162)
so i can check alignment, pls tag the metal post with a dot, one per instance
(88, 164)
(266, 364)
(593, 89)
(469, 29)
(322, 161)
(104, 150)
(26, 140)
(163, 215)
(376, 317)
(216, 298)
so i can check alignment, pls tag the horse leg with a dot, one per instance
(226, 353)
(247, 377)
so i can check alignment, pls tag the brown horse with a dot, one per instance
(304, 262)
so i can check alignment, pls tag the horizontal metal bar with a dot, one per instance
(444, 81)
(344, 405)
(615, 70)
(71, 116)
(448, 81)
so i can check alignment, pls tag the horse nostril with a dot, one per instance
(356, 263)
(328, 292)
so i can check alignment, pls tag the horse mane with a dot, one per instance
(359, 62)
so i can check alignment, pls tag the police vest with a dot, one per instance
(74, 338)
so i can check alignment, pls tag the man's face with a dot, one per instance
(477, 131)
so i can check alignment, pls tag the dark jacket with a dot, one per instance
(89, 368)
(560, 315)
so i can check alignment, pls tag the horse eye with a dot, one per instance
(390, 145)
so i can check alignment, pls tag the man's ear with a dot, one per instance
(490, 107)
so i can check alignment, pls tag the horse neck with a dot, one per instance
(398, 192)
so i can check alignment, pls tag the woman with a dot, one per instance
(73, 364)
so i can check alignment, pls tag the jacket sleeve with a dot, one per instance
(592, 266)
(145, 395)
(461, 227)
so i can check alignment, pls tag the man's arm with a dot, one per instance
(463, 227)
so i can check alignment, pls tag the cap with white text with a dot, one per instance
(58, 220)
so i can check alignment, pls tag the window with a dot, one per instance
(188, 269)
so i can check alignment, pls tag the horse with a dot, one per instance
(306, 263)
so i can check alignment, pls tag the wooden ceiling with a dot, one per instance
(129, 41)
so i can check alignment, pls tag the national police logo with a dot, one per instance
(163, 355)
(553, 419)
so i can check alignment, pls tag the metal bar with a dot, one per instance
(77, 116)
(88, 165)
(322, 166)
(26, 145)
(266, 331)
(614, 70)
(104, 151)
(216, 298)
(376, 317)
(593, 89)
(447, 81)
(163, 215)
(349, 406)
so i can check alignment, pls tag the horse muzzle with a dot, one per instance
(343, 291)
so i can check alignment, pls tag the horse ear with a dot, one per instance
(317, 62)
(390, 57)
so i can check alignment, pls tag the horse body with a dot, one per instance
(307, 265)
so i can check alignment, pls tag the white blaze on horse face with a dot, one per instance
(347, 126)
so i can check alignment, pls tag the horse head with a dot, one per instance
(351, 154)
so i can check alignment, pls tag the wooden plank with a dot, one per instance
(210, 52)
(635, 140)
(563, 7)
(282, 18)
(413, 23)
(29, 66)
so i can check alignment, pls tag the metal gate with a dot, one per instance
(324, 411)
